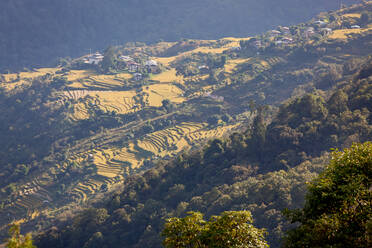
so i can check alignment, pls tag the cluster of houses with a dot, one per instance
(283, 36)
(133, 67)
(150, 66)
(93, 59)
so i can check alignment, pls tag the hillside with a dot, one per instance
(35, 33)
(73, 134)
(230, 174)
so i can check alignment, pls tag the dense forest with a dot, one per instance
(263, 169)
(35, 33)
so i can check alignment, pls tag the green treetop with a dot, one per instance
(338, 208)
(232, 229)
(16, 240)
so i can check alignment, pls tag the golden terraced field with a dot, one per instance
(168, 76)
(14, 80)
(343, 33)
(159, 92)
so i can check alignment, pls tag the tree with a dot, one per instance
(338, 208)
(109, 60)
(231, 229)
(16, 240)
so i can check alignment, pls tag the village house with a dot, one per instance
(93, 59)
(285, 30)
(326, 31)
(287, 40)
(137, 76)
(203, 68)
(214, 97)
(319, 22)
(151, 66)
(151, 63)
(274, 33)
(257, 44)
(132, 66)
(278, 42)
(309, 32)
(125, 58)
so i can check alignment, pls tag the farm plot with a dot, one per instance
(232, 64)
(74, 75)
(344, 33)
(30, 197)
(110, 162)
(202, 49)
(168, 77)
(28, 75)
(122, 102)
(160, 142)
(159, 92)
(14, 80)
(84, 189)
(105, 167)
(85, 79)
(209, 134)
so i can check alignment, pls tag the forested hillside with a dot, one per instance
(264, 170)
(146, 132)
(35, 33)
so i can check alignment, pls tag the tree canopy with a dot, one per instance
(230, 229)
(338, 208)
(16, 240)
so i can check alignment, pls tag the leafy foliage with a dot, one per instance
(16, 240)
(338, 208)
(231, 229)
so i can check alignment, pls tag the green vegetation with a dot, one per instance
(338, 208)
(263, 172)
(16, 240)
(231, 229)
(144, 133)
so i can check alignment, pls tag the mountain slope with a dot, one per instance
(72, 134)
(230, 174)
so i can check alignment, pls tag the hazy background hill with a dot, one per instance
(35, 33)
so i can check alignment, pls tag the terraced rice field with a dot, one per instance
(232, 64)
(165, 60)
(29, 75)
(159, 92)
(168, 77)
(203, 49)
(209, 134)
(15, 80)
(159, 142)
(121, 102)
(343, 33)
(30, 197)
(83, 189)
(74, 75)
(105, 166)
(85, 79)
(352, 15)
(110, 162)
(80, 112)
(274, 60)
